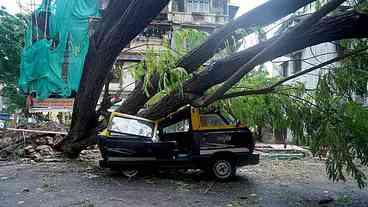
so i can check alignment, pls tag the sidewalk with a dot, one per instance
(279, 152)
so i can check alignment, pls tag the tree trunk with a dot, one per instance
(105, 45)
(259, 133)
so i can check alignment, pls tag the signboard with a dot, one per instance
(50, 105)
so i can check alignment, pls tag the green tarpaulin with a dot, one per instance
(56, 43)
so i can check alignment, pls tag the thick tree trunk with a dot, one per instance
(105, 45)
(344, 26)
(260, 16)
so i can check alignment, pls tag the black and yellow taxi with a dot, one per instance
(188, 139)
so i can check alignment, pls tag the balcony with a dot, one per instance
(197, 19)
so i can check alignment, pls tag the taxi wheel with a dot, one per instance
(223, 169)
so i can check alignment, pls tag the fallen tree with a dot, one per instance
(107, 43)
(260, 16)
(350, 25)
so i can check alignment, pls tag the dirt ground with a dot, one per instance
(82, 184)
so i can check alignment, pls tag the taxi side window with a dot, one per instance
(182, 126)
(210, 120)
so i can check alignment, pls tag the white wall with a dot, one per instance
(311, 56)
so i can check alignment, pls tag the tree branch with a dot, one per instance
(304, 59)
(236, 77)
(351, 24)
(272, 88)
(263, 15)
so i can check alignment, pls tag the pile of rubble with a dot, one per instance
(31, 146)
(41, 150)
(91, 154)
(38, 147)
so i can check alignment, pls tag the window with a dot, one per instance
(200, 6)
(122, 125)
(116, 74)
(178, 5)
(182, 126)
(208, 120)
(285, 69)
(219, 7)
(297, 62)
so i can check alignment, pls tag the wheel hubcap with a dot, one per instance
(222, 169)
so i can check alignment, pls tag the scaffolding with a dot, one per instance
(56, 43)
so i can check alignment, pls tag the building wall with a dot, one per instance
(310, 57)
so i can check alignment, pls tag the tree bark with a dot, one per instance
(348, 25)
(124, 20)
(260, 16)
(138, 97)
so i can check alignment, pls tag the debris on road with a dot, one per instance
(279, 152)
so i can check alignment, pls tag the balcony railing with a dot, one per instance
(197, 18)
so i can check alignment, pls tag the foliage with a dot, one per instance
(162, 62)
(330, 118)
(341, 124)
(187, 39)
(11, 41)
(276, 110)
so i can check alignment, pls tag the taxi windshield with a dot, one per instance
(130, 126)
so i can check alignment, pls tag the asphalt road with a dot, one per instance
(81, 184)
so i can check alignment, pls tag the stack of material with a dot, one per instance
(33, 146)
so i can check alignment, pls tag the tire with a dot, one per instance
(223, 169)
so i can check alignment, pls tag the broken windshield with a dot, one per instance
(124, 125)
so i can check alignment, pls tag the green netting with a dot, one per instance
(56, 43)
